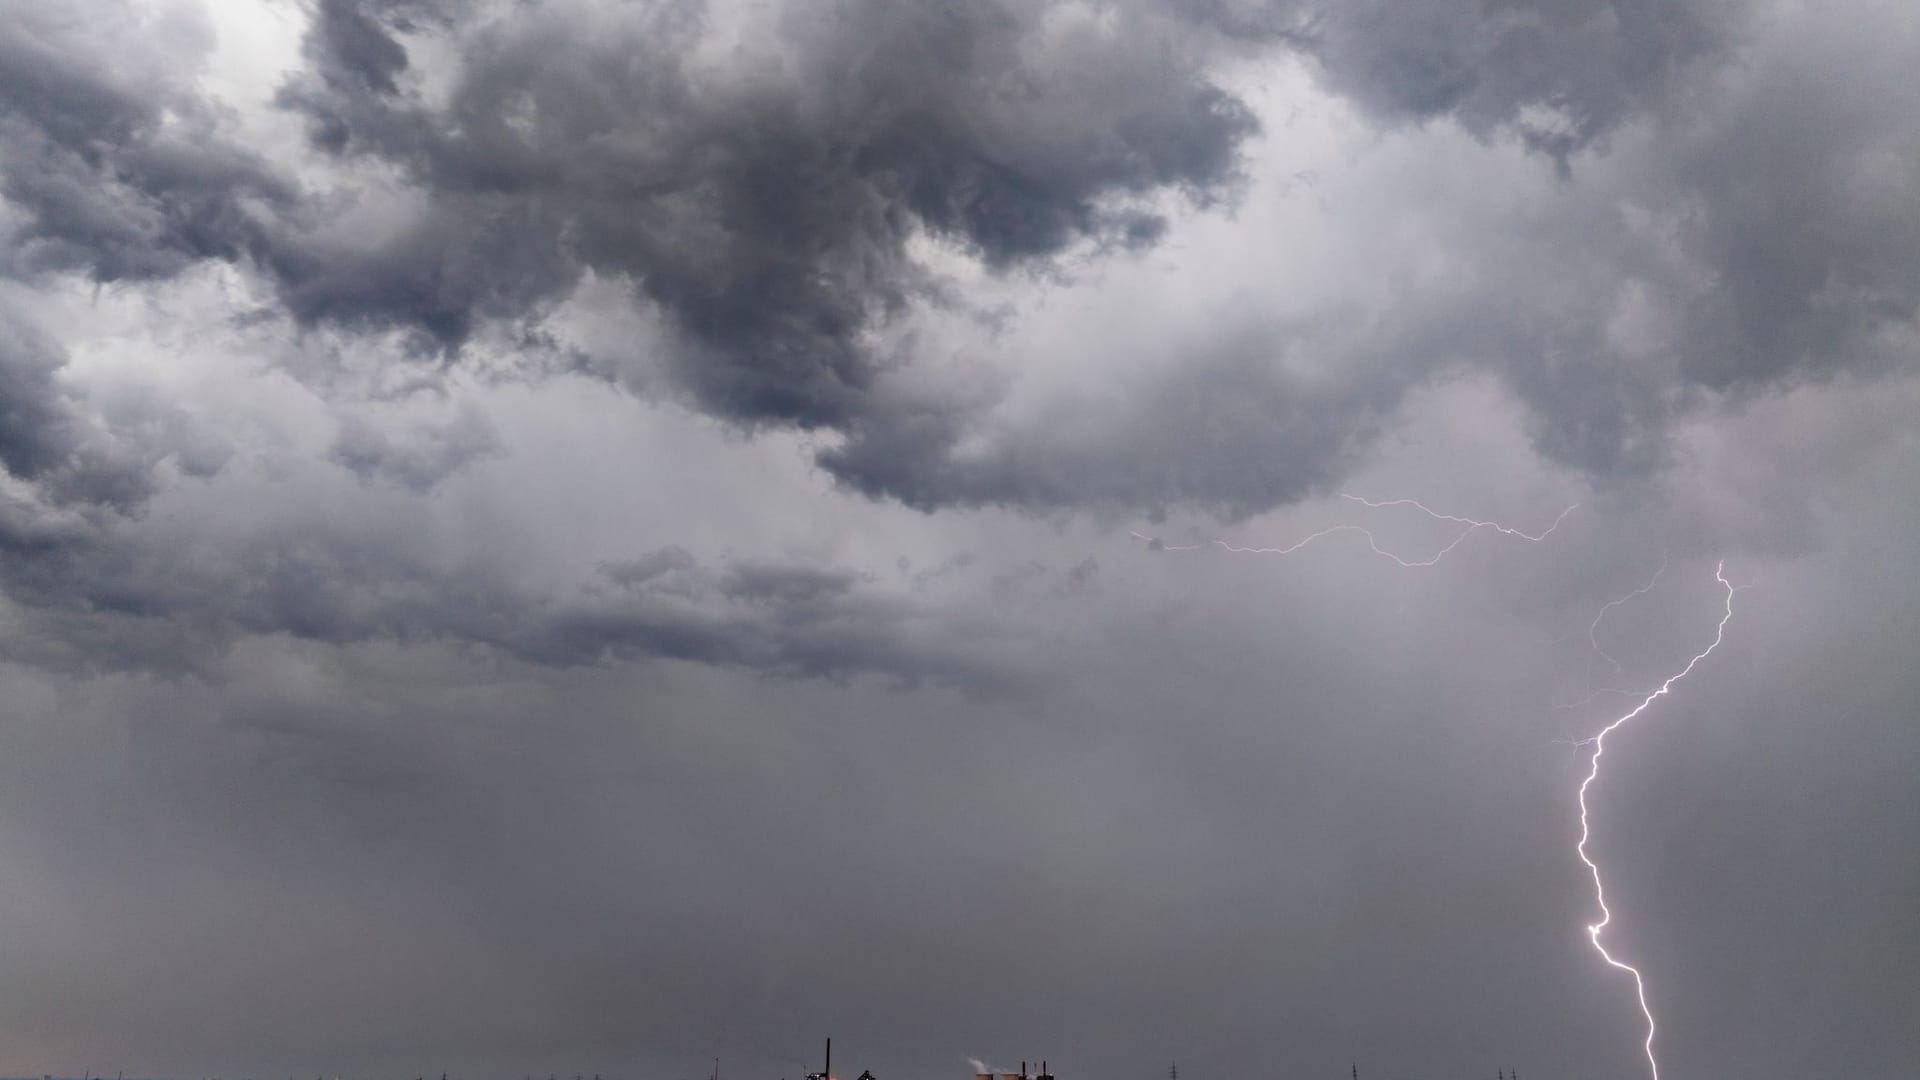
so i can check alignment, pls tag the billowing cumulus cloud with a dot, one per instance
(116, 166)
(765, 182)
(762, 198)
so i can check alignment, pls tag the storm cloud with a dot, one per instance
(567, 536)
(769, 182)
(763, 202)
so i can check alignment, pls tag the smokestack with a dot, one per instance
(828, 1070)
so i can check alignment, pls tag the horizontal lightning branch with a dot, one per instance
(1469, 526)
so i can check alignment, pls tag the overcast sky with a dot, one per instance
(571, 536)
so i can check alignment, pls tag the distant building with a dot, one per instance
(1021, 1075)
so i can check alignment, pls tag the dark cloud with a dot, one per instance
(794, 620)
(82, 456)
(760, 187)
(765, 201)
(1746, 235)
(1560, 73)
(117, 166)
(102, 599)
(765, 208)
(35, 430)
(352, 48)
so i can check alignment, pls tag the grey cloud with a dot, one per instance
(1803, 191)
(464, 259)
(1227, 431)
(1751, 237)
(417, 457)
(103, 597)
(351, 47)
(767, 219)
(792, 620)
(773, 583)
(35, 430)
(97, 455)
(1779, 170)
(765, 204)
(1559, 72)
(1769, 247)
(631, 573)
(765, 212)
(118, 168)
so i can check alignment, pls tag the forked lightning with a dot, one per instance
(1597, 741)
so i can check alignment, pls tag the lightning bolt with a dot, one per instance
(1599, 743)
(1469, 526)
